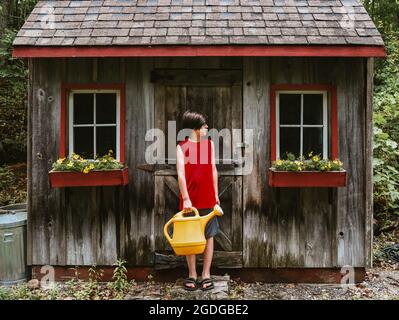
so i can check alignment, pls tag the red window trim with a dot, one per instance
(331, 90)
(67, 87)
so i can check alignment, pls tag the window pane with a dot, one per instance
(290, 109)
(289, 141)
(312, 109)
(106, 140)
(83, 108)
(83, 141)
(106, 107)
(312, 141)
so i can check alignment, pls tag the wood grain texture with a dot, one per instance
(308, 227)
(272, 227)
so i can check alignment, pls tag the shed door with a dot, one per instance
(218, 94)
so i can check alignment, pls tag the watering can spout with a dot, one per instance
(217, 211)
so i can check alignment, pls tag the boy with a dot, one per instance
(198, 184)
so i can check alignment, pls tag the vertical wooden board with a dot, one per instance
(226, 184)
(222, 119)
(56, 197)
(201, 99)
(350, 199)
(236, 215)
(39, 215)
(109, 70)
(30, 111)
(175, 104)
(256, 195)
(81, 240)
(287, 70)
(105, 221)
(172, 205)
(140, 118)
(237, 123)
(79, 70)
(318, 227)
(159, 213)
(286, 230)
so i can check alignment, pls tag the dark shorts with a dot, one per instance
(212, 227)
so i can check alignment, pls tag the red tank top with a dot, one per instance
(198, 173)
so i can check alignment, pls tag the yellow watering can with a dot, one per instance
(189, 232)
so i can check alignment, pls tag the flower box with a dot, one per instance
(60, 179)
(297, 179)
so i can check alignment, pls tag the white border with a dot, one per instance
(301, 125)
(71, 125)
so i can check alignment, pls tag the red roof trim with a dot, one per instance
(203, 51)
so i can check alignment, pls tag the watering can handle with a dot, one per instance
(165, 230)
(192, 209)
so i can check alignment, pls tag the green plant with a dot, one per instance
(78, 164)
(313, 163)
(120, 284)
(386, 134)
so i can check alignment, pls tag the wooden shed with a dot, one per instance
(297, 74)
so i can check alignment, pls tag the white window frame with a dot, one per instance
(301, 125)
(94, 124)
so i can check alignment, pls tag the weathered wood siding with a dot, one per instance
(281, 227)
(311, 227)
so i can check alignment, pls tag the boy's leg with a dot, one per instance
(208, 255)
(192, 272)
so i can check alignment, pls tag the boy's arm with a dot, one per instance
(182, 178)
(214, 173)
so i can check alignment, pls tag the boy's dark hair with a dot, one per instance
(193, 120)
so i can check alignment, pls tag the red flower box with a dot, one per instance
(297, 179)
(60, 179)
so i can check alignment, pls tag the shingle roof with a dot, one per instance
(198, 22)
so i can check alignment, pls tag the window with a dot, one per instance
(94, 121)
(303, 119)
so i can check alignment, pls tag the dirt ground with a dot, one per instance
(379, 285)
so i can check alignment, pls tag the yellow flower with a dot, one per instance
(91, 166)
(310, 154)
(279, 162)
(316, 158)
(70, 164)
(59, 161)
(86, 170)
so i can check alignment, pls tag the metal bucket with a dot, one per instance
(13, 267)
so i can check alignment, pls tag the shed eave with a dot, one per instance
(200, 51)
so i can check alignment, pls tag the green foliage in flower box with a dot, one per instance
(313, 163)
(78, 164)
